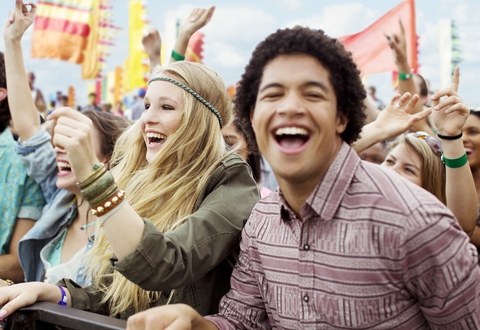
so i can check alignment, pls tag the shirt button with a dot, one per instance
(306, 247)
(80, 272)
(306, 298)
(90, 246)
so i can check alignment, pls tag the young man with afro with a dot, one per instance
(342, 244)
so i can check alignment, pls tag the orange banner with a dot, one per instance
(370, 48)
(195, 48)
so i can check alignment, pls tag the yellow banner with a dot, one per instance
(138, 72)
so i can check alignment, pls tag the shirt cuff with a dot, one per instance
(29, 212)
(137, 266)
(39, 138)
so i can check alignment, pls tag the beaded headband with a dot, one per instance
(188, 89)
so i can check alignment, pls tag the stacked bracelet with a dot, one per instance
(109, 204)
(455, 163)
(101, 191)
(177, 57)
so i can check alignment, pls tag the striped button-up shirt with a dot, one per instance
(372, 251)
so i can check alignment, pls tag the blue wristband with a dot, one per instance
(63, 302)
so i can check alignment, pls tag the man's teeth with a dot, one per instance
(291, 131)
(156, 135)
(63, 165)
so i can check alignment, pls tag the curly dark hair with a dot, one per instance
(4, 109)
(344, 75)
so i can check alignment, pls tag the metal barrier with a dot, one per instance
(49, 316)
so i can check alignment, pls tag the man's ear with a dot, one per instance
(3, 93)
(341, 123)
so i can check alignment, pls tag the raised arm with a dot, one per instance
(198, 18)
(449, 116)
(392, 121)
(22, 106)
(152, 43)
(399, 50)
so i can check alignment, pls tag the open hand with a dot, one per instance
(74, 133)
(198, 18)
(449, 115)
(395, 119)
(19, 20)
(152, 43)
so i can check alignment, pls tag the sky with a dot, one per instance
(238, 26)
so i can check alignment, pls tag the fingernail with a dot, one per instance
(3, 313)
(437, 107)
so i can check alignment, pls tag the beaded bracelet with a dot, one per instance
(109, 204)
(9, 282)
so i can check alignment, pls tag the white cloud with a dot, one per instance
(288, 5)
(338, 20)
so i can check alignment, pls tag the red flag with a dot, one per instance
(370, 48)
(194, 51)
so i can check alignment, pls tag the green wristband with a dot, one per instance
(177, 57)
(404, 76)
(455, 163)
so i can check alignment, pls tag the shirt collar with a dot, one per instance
(328, 193)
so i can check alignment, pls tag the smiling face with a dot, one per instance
(471, 141)
(295, 119)
(162, 116)
(234, 139)
(404, 160)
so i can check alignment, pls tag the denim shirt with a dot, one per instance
(38, 154)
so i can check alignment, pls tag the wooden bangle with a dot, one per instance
(109, 204)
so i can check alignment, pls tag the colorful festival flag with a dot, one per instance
(61, 29)
(195, 49)
(370, 48)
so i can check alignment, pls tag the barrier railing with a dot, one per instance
(48, 316)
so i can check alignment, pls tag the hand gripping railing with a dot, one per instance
(46, 316)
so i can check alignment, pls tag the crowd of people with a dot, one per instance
(200, 212)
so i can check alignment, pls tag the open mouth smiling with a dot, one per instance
(64, 168)
(291, 137)
(155, 139)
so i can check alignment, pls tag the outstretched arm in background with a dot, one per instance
(449, 116)
(399, 50)
(152, 43)
(392, 121)
(22, 107)
(197, 19)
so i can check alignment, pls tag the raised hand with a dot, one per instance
(152, 43)
(74, 133)
(450, 114)
(398, 43)
(19, 20)
(395, 119)
(198, 18)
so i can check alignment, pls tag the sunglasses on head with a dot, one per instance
(434, 143)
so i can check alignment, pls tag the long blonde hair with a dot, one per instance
(433, 170)
(165, 189)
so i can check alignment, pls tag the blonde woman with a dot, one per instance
(174, 227)
(417, 156)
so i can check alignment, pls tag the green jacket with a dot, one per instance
(197, 258)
